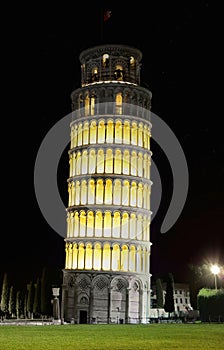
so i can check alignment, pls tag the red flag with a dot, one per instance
(107, 15)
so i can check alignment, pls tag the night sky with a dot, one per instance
(42, 70)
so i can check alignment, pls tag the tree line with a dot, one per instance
(33, 299)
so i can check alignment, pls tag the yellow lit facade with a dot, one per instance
(107, 267)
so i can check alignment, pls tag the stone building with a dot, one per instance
(107, 270)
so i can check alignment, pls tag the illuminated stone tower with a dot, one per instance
(107, 269)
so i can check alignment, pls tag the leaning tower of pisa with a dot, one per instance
(106, 278)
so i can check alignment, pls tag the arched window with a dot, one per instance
(92, 105)
(76, 223)
(116, 258)
(83, 192)
(140, 195)
(84, 162)
(80, 134)
(69, 194)
(117, 192)
(134, 133)
(100, 161)
(72, 224)
(124, 258)
(101, 131)
(77, 193)
(73, 193)
(108, 192)
(70, 256)
(118, 131)
(140, 164)
(91, 192)
(90, 224)
(118, 74)
(75, 135)
(116, 225)
(68, 219)
(71, 163)
(97, 257)
(80, 102)
(125, 226)
(92, 161)
(125, 193)
(145, 137)
(144, 260)
(148, 135)
(132, 62)
(126, 132)
(145, 195)
(81, 256)
(132, 254)
(98, 224)
(105, 60)
(95, 75)
(106, 257)
(133, 226)
(109, 161)
(82, 222)
(139, 259)
(148, 167)
(133, 196)
(134, 163)
(89, 256)
(74, 256)
(86, 133)
(99, 191)
(110, 131)
(140, 134)
(126, 163)
(117, 162)
(72, 137)
(78, 163)
(67, 253)
(118, 105)
(148, 230)
(145, 166)
(107, 224)
(92, 137)
(148, 197)
(144, 228)
(139, 227)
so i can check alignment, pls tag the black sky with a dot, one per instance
(42, 70)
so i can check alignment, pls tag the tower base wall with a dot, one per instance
(101, 297)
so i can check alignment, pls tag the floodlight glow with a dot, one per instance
(215, 269)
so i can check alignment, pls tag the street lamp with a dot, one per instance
(215, 269)
(56, 306)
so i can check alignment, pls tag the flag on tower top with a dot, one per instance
(107, 15)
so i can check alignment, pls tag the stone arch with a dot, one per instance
(135, 291)
(100, 282)
(83, 282)
(118, 305)
(100, 298)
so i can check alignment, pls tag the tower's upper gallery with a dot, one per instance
(110, 63)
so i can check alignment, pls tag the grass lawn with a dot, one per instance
(113, 337)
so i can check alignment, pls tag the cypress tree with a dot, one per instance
(5, 294)
(159, 293)
(46, 293)
(30, 298)
(169, 300)
(37, 299)
(18, 304)
(12, 302)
